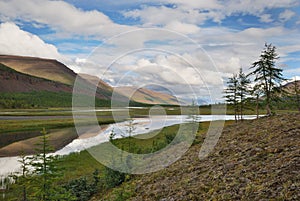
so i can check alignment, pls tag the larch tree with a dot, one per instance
(242, 90)
(256, 92)
(46, 173)
(268, 75)
(231, 94)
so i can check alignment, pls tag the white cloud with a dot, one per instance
(60, 16)
(286, 15)
(197, 12)
(266, 18)
(182, 27)
(14, 41)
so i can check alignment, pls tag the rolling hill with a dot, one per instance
(147, 96)
(291, 87)
(13, 81)
(30, 75)
(45, 68)
(19, 90)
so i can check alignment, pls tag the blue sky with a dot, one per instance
(207, 39)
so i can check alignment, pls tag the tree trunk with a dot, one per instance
(257, 109)
(235, 115)
(268, 108)
(269, 112)
(242, 110)
(24, 194)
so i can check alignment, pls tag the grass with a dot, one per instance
(82, 163)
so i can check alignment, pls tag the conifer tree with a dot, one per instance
(46, 173)
(231, 94)
(268, 75)
(242, 90)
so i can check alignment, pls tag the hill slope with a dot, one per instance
(32, 68)
(13, 81)
(45, 68)
(147, 96)
(253, 160)
(291, 87)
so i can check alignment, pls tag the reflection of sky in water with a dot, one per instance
(140, 125)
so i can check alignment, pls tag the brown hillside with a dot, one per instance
(253, 160)
(290, 87)
(44, 68)
(37, 74)
(56, 74)
(13, 81)
(94, 79)
(147, 96)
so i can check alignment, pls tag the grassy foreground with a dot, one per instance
(253, 160)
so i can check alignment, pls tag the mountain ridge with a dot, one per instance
(40, 74)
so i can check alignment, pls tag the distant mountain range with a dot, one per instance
(20, 74)
(147, 96)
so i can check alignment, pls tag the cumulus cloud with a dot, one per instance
(266, 18)
(286, 15)
(182, 27)
(14, 41)
(197, 12)
(60, 16)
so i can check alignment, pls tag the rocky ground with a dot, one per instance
(253, 160)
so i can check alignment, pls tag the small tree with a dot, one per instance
(242, 90)
(231, 94)
(23, 179)
(268, 75)
(82, 188)
(257, 92)
(46, 173)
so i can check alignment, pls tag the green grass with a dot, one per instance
(79, 164)
(82, 163)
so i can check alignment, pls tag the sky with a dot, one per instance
(186, 47)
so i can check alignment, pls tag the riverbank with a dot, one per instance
(17, 143)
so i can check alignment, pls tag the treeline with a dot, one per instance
(262, 87)
(46, 99)
(41, 99)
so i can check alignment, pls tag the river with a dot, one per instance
(10, 165)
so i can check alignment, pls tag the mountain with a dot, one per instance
(147, 96)
(14, 81)
(45, 68)
(21, 74)
(94, 79)
(19, 90)
(291, 87)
